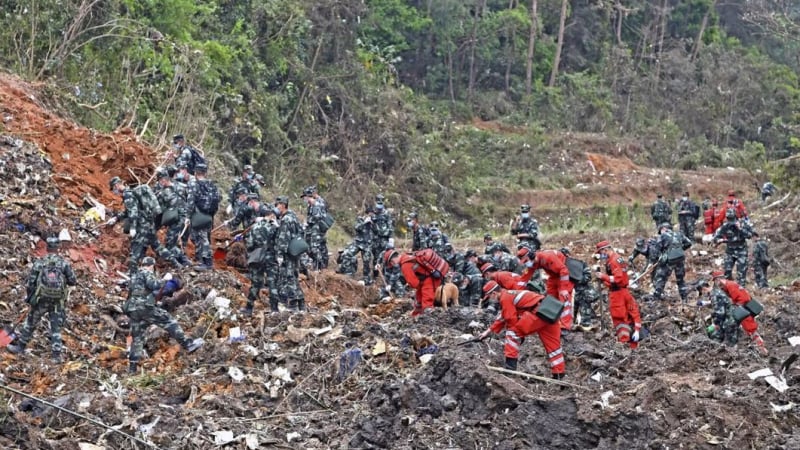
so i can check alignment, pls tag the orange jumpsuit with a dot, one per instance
(508, 280)
(739, 297)
(711, 218)
(621, 304)
(518, 316)
(418, 276)
(554, 264)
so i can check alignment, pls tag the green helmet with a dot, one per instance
(113, 182)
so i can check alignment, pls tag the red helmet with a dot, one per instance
(388, 255)
(490, 287)
(731, 192)
(602, 244)
(487, 267)
(717, 274)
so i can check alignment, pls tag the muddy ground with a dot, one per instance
(347, 373)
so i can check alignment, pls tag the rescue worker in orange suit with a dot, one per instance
(739, 297)
(621, 304)
(711, 217)
(733, 203)
(420, 276)
(554, 264)
(506, 280)
(518, 317)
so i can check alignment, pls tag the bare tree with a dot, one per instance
(531, 46)
(557, 58)
(479, 6)
(699, 41)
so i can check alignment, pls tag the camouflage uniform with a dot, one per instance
(202, 236)
(725, 327)
(529, 227)
(185, 157)
(262, 263)
(142, 310)
(323, 245)
(661, 212)
(471, 290)
(735, 234)
(288, 281)
(348, 260)
(384, 230)
(687, 216)
(505, 262)
(145, 233)
(767, 191)
(318, 246)
(364, 243)
(421, 238)
(41, 305)
(182, 188)
(491, 246)
(761, 261)
(438, 242)
(170, 198)
(649, 248)
(585, 295)
(671, 246)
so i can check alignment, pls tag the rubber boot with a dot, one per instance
(133, 366)
(558, 376)
(511, 363)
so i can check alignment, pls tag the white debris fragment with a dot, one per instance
(794, 341)
(223, 437)
(426, 358)
(466, 337)
(778, 383)
(235, 373)
(212, 294)
(282, 373)
(64, 235)
(597, 377)
(605, 397)
(251, 440)
(475, 324)
(782, 408)
(760, 373)
(292, 436)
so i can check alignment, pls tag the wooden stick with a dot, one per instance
(534, 377)
(81, 416)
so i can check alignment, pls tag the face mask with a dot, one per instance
(684, 198)
(410, 224)
(179, 176)
(250, 176)
(603, 256)
(176, 146)
(529, 264)
(435, 232)
(525, 215)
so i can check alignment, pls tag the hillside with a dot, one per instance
(287, 386)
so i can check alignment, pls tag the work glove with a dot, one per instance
(133, 233)
(279, 260)
(167, 276)
(484, 335)
(563, 295)
(635, 336)
(187, 222)
(436, 274)
(229, 210)
(388, 289)
(112, 221)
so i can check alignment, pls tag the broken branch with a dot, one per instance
(534, 377)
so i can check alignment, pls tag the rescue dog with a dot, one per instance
(450, 293)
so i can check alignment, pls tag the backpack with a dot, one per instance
(208, 197)
(51, 283)
(197, 158)
(431, 260)
(577, 274)
(675, 250)
(148, 202)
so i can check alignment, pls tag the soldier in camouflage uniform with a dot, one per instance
(247, 213)
(142, 229)
(490, 244)
(170, 198)
(471, 289)
(288, 281)
(688, 213)
(201, 236)
(184, 153)
(47, 291)
(384, 230)
(421, 234)
(735, 234)
(246, 184)
(315, 229)
(261, 260)
(505, 262)
(348, 260)
(671, 246)
(660, 211)
(649, 249)
(181, 180)
(585, 295)
(724, 327)
(364, 243)
(761, 261)
(437, 240)
(526, 228)
(393, 277)
(142, 310)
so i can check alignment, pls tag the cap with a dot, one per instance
(242, 190)
(525, 208)
(201, 168)
(182, 165)
(564, 250)
(731, 192)
(659, 195)
(162, 173)
(52, 242)
(252, 196)
(487, 236)
(177, 137)
(603, 244)
(470, 253)
(148, 261)
(490, 287)
(171, 169)
(247, 168)
(282, 199)
(488, 267)
(717, 274)
(435, 224)
(448, 246)
(665, 225)
(701, 284)
(380, 198)
(412, 215)
(388, 255)
(457, 278)
(308, 191)
(113, 182)
(640, 242)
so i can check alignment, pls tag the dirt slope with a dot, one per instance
(291, 384)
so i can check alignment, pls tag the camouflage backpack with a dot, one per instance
(51, 284)
(208, 197)
(148, 202)
(661, 211)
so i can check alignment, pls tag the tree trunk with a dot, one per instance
(699, 41)
(661, 32)
(557, 59)
(531, 45)
(450, 76)
(620, 15)
(473, 42)
(511, 50)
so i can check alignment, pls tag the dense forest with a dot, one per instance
(356, 95)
